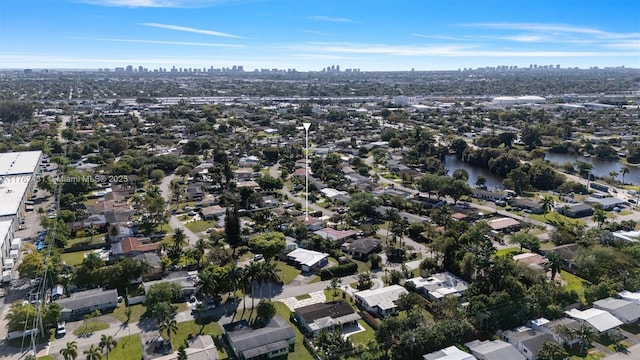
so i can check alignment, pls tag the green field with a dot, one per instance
(508, 252)
(129, 347)
(136, 313)
(89, 327)
(201, 225)
(555, 218)
(287, 272)
(73, 258)
(574, 283)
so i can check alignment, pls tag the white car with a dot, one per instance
(61, 330)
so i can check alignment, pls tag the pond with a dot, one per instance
(601, 168)
(452, 163)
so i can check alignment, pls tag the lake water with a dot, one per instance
(601, 168)
(452, 163)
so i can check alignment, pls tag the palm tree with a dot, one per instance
(624, 171)
(71, 351)
(400, 228)
(547, 204)
(108, 343)
(270, 274)
(599, 216)
(179, 239)
(334, 286)
(208, 282)
(169, 326)
(585, 335)
(555, 261)
(93, 353)
(253, 275)
(566, 333)
(234, 276)
(613, 175)
(392, 216)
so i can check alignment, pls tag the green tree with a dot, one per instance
(599, 216)
(232, 228)
(182, 353)
(268, 244)
(332, 345)
(552, 351)
(266, 310)
(334, 286)
(362, 204)
(525, 240)
(20, 316)
(70, 352)
(624, 171)
(169, 326)
(547, 204)
(555, 263)
(32, 265)
(585, 336)
(93, 353)
(108, 343)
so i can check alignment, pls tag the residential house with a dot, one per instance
(195, 192)
(212, 212)
(567, 253)
(155, 263)
(411, 218)
(494, 350)
(119, 232)
(80, 303)
(336, 236)
(380, 301)
(186, 281)
(201, 347)
(97, 221)
(133, 246)
(249, 183)
(526, 340)
(627, 236)
(437, 286)
(488, 195)
(243, 174)
(533, 260)
(504, 224)
(600, 320)
(275, 340)
(450, 353)
(551, 328)
(308, 260)
(608, 203)
(313, 224)
(534, 206)
(290, 244)
(362, 248)
(325, 316)
(630, 296)
(577, 210)
(626, 311)
(428, 201)
(57, 292)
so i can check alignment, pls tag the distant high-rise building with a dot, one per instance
(129, 68)
(119, 69)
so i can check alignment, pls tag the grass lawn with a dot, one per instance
(508, 252)
(46, 357)
(547, 245)
(302, 297)
(365, 336)
(574, 283)
(73, 258)
(287, 272)
(201, 225)
(363, 266)
(97, 239)
(592, 355)
(190, 327)
(316, 279)
(90, 326)
(129, 347)
(136, 312)
(553, 218)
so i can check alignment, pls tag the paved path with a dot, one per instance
(174, 222)
(632, 353)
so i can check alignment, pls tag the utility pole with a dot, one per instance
(306, 167)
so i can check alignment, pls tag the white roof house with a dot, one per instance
(19, 163)
(630, 296)
(12, 191)
(626, 311)
(450, 353)
(494, 350)
(440, 285)
(598, 319)
(382, 300)
(308, 258)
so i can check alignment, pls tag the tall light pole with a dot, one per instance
(306, 168)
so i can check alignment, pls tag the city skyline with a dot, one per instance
(311, 35)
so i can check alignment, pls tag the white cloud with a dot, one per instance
(164, 42)
(446, 50)
(626, 45)
(439, 37)
(330, 19)
(556, 29)
(524, 38)
(191, 30)
(159, 3)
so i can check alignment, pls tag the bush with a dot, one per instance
(339, 270)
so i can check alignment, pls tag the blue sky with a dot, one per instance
(309, 34)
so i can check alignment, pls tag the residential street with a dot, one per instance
(174, 222)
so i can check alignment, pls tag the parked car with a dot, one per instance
(61, 329)
(258, 257)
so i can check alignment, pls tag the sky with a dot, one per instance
(308, 35)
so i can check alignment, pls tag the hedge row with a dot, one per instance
(339, 271)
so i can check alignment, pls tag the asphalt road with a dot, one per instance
(174, 222)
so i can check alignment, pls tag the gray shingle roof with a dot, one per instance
(256, 342)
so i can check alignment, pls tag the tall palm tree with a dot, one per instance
(392, 216)
(234, 276)
(253, 275)
(208, 282)
(585, 335)
(169, 326)
(179, 239)
(400, 228)
(547, 204)
(624, 171)
(270, 273)
(71, 351)
(599, 216)
(107, 343)
(555, 261)
(93, 353)
(613, 175)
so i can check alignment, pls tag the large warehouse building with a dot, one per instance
(18, 171)
(511, 100)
